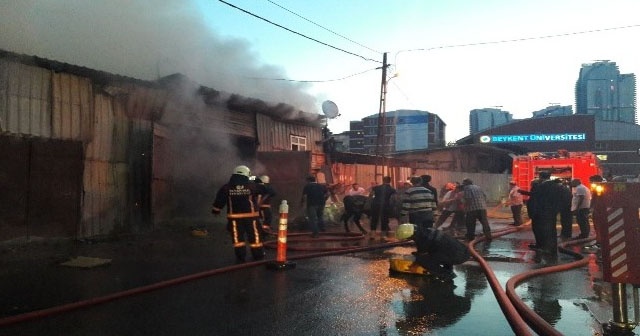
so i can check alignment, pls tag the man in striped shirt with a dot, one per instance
(418, 204)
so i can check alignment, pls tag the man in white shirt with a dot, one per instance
(355, 189)
(515, 202)
(580, 205)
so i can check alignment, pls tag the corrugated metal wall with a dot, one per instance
(71, 112)
(105, 170)
(42, 103)
(495, 186)
(365, 175)
(38, 102)
(25, 93)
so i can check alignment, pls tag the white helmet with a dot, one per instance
(242, 170)
(264, 179)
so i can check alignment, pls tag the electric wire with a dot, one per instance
(327, 29)
(297, 33)
(406, 97)
(315, 81)
(473, 44)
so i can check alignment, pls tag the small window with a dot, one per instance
(298, 143)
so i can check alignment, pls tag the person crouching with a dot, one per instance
(437, 252)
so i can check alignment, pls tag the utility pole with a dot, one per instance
(380, 145)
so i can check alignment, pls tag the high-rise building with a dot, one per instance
(605, 93)
(481, 119)
(553, 111)
(356, 136)
(401, 130)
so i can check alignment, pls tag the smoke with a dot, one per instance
(145, 40)
(153, 39)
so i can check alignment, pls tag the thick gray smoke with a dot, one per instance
(146, 40)
(149, 40)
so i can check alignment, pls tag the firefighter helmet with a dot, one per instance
(405, 231)
(242, 170)
(264, 179)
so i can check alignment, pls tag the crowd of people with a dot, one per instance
(249, 216)
(550, 198)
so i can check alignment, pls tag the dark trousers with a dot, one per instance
(443, 217)
(243, 231)
(548, 235)
(356, 219)
(459, 220)
(315, 215)
(423, 219)
(379, 214)
(481, 216)
(566, 220)
(582, 217)
(516, 212)
(267, 216)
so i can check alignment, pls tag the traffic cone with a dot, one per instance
(281, 262)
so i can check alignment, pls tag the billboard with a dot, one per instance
(412, 132)
(554, 137)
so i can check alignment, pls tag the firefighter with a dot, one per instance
(241, 197)
(265, 202)
(436, 251)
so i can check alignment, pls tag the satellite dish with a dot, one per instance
(330, 109)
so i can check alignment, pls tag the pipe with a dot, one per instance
(636, 305)
(619, 303)
(172, 282)
(518, 325)
(345, 236)
(537, 323)
(515, 320)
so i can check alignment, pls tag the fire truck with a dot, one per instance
(563, 165)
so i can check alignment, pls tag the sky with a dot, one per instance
(446, 57)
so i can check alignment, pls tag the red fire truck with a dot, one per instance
(564, 165)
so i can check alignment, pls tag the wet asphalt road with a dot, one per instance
(349, 294)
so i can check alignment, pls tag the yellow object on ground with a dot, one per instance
(406, 264)
(199, 233)
(86, 262)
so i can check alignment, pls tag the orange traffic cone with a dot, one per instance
(281, 250)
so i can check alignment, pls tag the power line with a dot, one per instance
(403, 94)
(297, 33)
(327, 29)
(315, 81)
(520, 39)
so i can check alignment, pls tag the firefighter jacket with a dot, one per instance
(240, 196)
